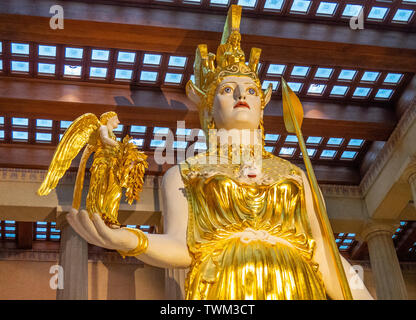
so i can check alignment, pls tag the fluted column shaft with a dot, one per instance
(175, 283)
(412, 182)
(73, 257)
(385, 264)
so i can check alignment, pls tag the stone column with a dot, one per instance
(412, 181)
(385, 265)
(175, 283)
(73, 258)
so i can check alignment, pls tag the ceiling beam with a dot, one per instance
(26, 156)
(24, 234)
(180, 31)
(66, 100)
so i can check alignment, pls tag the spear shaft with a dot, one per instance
(318, 200)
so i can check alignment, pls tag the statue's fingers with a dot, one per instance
(90, 228)
(103, 230)
(73, 220)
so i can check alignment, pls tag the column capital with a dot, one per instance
(375, 226)
(409, 174)
(61, 221)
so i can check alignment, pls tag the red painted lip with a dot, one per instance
(242, 104)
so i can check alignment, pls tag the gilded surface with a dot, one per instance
(114, 167)
(249, 240)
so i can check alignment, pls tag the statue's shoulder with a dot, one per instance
(283, 166)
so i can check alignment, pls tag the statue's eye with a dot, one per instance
(227, 90)
(252, 91)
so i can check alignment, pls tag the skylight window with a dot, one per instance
(20, 135)
(20, 122)
(157, 143)
(46, 68)
(1, 47)
(100, 55)
(295, 86)
(1, 64)
(177, 61)
(311, 152)
(269, 149)
(72, 70)
(96, 72)
(402, 15)
(300, 71)
(160, 130)
(127, 57)
(355, 143)
(74, 53)
(1, 134)
(271, 137)
(153, 59)
(377, 13)
(326, 8)
(276, 69)
(328, 154)
(200, 146)
(266, 83)
(393, 78)
(316, 88)
(348, 155)
(324, 73)
(314, 140)
(44, 123)
(352, 10)
(138, 142)
(1, 121)
(137, 129)
(183, 132)
(65, 124)
(347, 74)
(291, 139)
(370, 76)
(40, 136)
(20, 66)
(287, 151)
(179, 144)
(47, 51)
(173, 78)
(361, 92)
(384, 93)
(335, 141)
(123, 74)
(148, 76)
(300, 6)
(339, 90)
(247, 3)
(219, 2)
(273, 4)
(20, 48)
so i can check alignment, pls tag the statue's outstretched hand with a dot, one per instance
(96, 232)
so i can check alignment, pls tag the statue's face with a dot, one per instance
(113, 122)
(237, 104)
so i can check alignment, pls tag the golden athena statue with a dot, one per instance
(253, 229)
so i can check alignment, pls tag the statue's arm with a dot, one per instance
(164, 250)
(170, 249)
(323, 257)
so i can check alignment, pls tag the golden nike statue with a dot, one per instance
(116, 165)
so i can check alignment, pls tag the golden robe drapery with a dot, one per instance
(249, 240)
